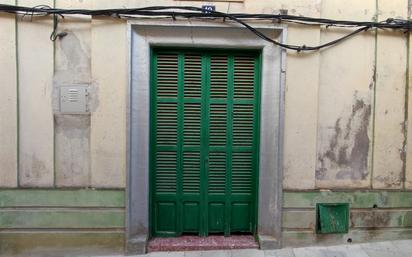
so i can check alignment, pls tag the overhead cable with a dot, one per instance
(196, 12)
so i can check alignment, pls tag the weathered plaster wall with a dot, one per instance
(345, 116)
(345, 101)
(72, 66)
(347, 119)
(36, 126)
(8, 100)
(109, 73)
(301, 101)
(374, 216)
(390, 119)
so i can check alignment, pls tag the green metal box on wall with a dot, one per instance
(332, 218)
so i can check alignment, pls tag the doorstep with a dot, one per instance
(196, 243)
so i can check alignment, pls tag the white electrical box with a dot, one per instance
(73, 99)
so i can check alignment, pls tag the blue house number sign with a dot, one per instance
(208, 8)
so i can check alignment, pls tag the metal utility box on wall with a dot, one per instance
(332, 218)
(73, 99)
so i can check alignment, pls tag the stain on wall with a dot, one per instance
(390, 179)
(34, 171)
(72, 150)
(370, 219)
(347, 153)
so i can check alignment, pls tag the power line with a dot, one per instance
(196, 12)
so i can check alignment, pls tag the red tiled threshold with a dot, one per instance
(196, 243)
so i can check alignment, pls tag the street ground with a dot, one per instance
(401, 248)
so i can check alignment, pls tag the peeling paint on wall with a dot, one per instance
(346, 157)
(391, 179)
(72, 132)
(74, 61)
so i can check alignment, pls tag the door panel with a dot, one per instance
(241, 217)
(204, 123)
(216, 217)
(166, 217)
(191, 218)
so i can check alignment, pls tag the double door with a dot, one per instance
(204, 141)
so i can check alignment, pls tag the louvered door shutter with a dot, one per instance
(165, 125)
(166, 120)
(191, 149)
(177, 163)
(244, 144)
(219, 139)
(233, 117)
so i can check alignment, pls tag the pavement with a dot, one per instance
(400, 248)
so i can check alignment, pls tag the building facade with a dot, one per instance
(127, 129)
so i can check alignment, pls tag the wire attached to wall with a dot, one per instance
(55, 35)
(196, 12)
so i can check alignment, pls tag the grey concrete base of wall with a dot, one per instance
(268, 242)
(145, 34)
(136, 245)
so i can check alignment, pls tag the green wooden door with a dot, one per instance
(204, 141)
